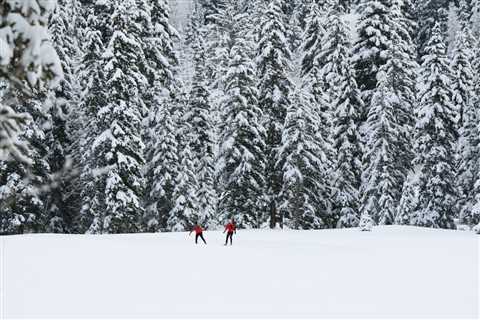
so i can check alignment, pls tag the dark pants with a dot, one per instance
(201, 236)
(229, 235)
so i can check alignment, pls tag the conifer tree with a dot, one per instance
(466, 117)
(242, 141)
(469, 143)
(185, 212)
(408, 202)
(23, 34)
(462, 84)
(116, 149)
(200, 136)
(29, 65)
(402, 68)
(316, 68)
(370, 50)
(24, 186)
(475, 18)
(164, 162)
(435, 138)
(273, 65)
(94, 96)
(305, 193)
(430, 12)
(162, 145)
(62, 105)
(382, 175)
(312, 42)
(346, 105)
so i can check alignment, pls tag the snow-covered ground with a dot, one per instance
(389, 272)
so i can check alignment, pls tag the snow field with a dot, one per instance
(390, 272)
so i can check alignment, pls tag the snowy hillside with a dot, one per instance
(392, 271)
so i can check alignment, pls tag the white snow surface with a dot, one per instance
(389, 272)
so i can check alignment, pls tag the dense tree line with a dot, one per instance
(287, 118)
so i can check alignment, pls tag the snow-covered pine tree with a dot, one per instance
(312, 38)
(316, 52)
(430, 12)
(305, 193)
(158, 45)
(273, 66)
(403, 70)
(462, 80)
(185, 212)
(200, 135)
(370, 50)
(463, 91)
(408, 202)
(464, 13)
(23, 35)
(475, 18)
(163, 161)
(366, 222)
(408, 8)
(162, 151)
(29, 65)
(468, 175)
(242, 139)
(435, 138)
(93, 98)
(24, 187)
(117, 146)
(212, 10)
(216, 33)
(346, 106)
(383, 174)
(62, 133)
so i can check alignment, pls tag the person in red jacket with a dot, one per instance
(230, 229)
(198, 233)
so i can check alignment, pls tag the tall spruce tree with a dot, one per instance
(403, 70)
(185, 211)
(475, 18)
(435, 139)
(392, 122)
(162, 146)
(347, 105)
(468, 146)
(462, 86)
(316, 68)
(462, 77)
(370, 50)
(305, 193)
(200, 120)
(29, 64)
(163, 161)
(429, 13)
(94, 96)
(23, 35)
(242, 141)
(25, 186)
(116, 148)
(63, 105)
(383, 174)
(273, 66)
(185, 214)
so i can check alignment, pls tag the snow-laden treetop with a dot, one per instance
(27, 56)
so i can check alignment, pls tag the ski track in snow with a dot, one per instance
(390, 272)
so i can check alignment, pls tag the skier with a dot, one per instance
(230, 229)
(198, 233)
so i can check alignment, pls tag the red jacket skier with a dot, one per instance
(230, 229)
(198, 233)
